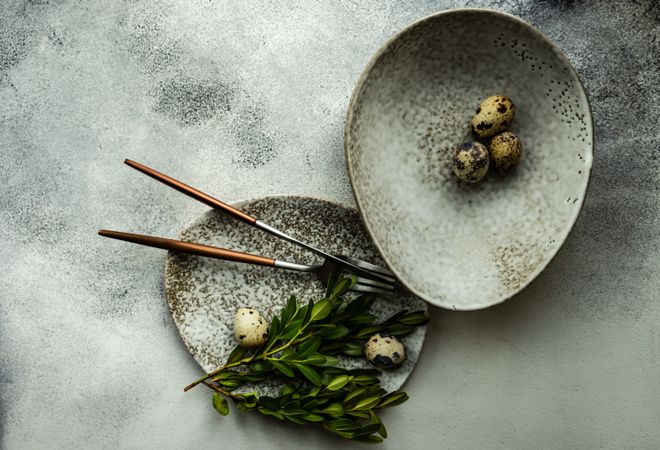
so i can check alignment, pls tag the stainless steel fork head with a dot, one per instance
(363, 284)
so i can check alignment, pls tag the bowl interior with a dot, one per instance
(456, 245)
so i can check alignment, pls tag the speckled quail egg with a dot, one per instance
(470, 161)
(505, 150)
(386, 352)
(250, 328)
(492, 116)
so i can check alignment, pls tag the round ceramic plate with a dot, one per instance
(457, 245)
(203, 294)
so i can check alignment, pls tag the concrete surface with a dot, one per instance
(246, 99)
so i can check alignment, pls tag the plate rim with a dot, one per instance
(357, 89)
(238, 203)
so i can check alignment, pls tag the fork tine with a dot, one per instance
(374, 283)
(370, 267)
(369, 289)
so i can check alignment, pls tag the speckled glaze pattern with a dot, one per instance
(204, 294)
(456, 245)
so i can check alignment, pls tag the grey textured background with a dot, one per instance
(247, 98)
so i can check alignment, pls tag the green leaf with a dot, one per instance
(283, 368)
(293, 419)
(331, 395)
(360, 319)
(398, 330)
(321, 309)
(309, 346)
(289, 310)
(353, 349)
(286, 390)
(288, 354)
(315, 359)
(260, 366)
(332, 281)
(223, 375)
(344, 434)
(255, 377)
(360, 414)
(245, 407)
(393, 399)
(317, 327)
(367, 430)
(330, 361)
(314, 392)
(339, 382)
(368, 439)
(343, 286)
(308, 313)
(365, 380)
(293, 409)
(368, 331)
(375, 419)
(367, 403)
(291, 330)
(301, 312)
(340, 317)
(309, 373)
(273, 332)
(237, 354)
(354, 395)
(246, 402)
(331, 348)
(230, 384)
(338, 332)
(270, 412)
(396, 316)
(360, 304)
(335, 370)
(313, 418)
(341, 425)
(220, 404)
(272, 403)
(416, 318)
(334, 410)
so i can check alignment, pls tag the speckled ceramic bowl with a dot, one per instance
(204, 294)
(456, 245)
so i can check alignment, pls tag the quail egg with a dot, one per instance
(386, 352)
(470, 161)
(505, 150)
(250, 328)
(492, 116)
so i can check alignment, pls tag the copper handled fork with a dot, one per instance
(362, 268)
(323, 271)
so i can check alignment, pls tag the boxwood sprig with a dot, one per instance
(301, 348)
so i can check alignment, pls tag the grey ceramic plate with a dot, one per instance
(203, 294)
(465, 246)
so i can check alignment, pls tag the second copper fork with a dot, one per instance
(323, 271)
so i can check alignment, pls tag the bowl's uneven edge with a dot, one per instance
(349, 119)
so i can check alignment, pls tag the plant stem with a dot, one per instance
(217, 371)
(219, 390)
(245, 361)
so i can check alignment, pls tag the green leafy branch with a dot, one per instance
(301, 347)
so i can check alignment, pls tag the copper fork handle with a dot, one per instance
(191, 191)
(189, 248)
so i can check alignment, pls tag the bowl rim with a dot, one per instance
(357, 89)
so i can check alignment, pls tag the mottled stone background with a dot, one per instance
(247, 98)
